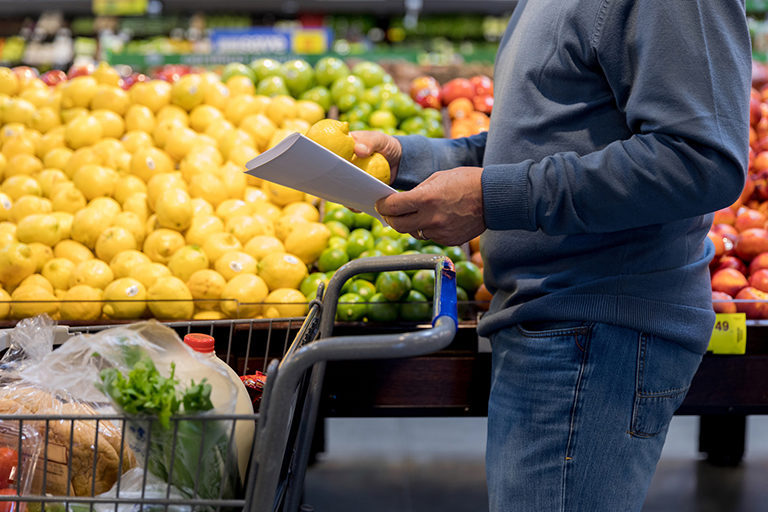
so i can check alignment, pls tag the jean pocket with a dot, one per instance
(663, 376)
(551, 329)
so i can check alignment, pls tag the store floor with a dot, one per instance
(436, 464)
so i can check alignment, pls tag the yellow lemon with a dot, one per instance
(3, 165)
(7, 236)
(231, 207)
(149, 161)
(111, 98)
(243, 296)
(307, 241)
(135, 140)
(80, 158)
(112, 125)
(16, 263)
(58, 272)
(112, 241)
(18, 186)
(172, 112)
(72, 251)
(93, 272)
(197, 164)
(23, 164)
(261, 245)
(125, 298)
(302, 209)
(133, 224)
(95, 181)
(18, 145)
(48, 178)
(240, 84)
(160, 184)
(201, 227)
(154, 94)
(234, 179)
(28, 205)
(160, 244)
(68, 199)
(375, 165)
(243, 105)
(106, 204)
(334, 136)
(10, 129)
(137, 203)
(206, 287)
(180, 142)
(123, 262)
(188, 92)
(57, 157)
(296, 125)
(278, 136)
(41, 254)
(285, 303)
(139, 118)
(202, 116)
(201, 206)
(232, 263)
(169, 298)
(216, 95)
(187, 261)
(254, 193)
(127, 185)
(17, 110)
(260, 128)
(233, 140)
(5, 207)
(65, 220)
(106, 74)
(5, 304)
(9, 82)
(37, 280)
(88, 224)
(282, 270)
(39, 227)
(78, 92)
(220, 129)
(81, 302)
(83, 131)
(207, 149)
(280, 108)
(309, 111)
(164, 129)
(31, 300)
(219, 243)
(174, 209)
(50, 141)
(148, 273)
(281, 195)
(245, 227)
(45, 119)
(203, 314)
(69, 114)
(284, 225)
(39, 97)
(266, 209)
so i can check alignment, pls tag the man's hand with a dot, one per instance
(446, 208)
(369, 142)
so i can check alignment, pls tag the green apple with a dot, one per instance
(299, 76)
(382, 119)
(330, 69)
(272, 86)
(236, 69)
(263, 68)
(318, 94)
(347, 85)
(370, 72)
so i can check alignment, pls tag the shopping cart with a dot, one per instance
(289, 405)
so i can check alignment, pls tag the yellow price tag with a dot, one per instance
(729, 335)
(310, 41)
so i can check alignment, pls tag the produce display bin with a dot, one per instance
(289, 404)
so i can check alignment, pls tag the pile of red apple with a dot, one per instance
(739, 269)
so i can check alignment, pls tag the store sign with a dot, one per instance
(271, 41)
(729, 335)
(119, 7)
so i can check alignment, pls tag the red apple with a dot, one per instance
(428, 98)
(728, 280)
(725, 216)
(748, 218)
(751, 242)
(483, 104)
(53, 77)
(423, 82)
(80, 70)
(483, 86)
(457, 88)
(719, 304)
(759, 280)
(729, 262)
(132, 79)
(758, 262)
(758, 305)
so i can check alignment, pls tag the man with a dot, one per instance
(618, 126)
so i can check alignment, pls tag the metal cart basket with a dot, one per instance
(287, 414)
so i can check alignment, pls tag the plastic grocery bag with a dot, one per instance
(133, 485)
(79, 457)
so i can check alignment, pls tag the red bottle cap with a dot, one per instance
(199, 342)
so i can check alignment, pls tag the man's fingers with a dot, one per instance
(397, 204)
(362, 151)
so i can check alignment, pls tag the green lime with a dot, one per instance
(423, 281)
(410, 273)
(351, 308)
(389, 246)
(432, 113)
(432, 249)
(394, 284)
(381, 310)
(341, 214)
(337, 228)
(358, 241)
(468, 276)
(310, 283)
(237, 69)
(455, 253)
(369, 276)
(331, 259)
(319, 95)
(363, 220)
(381, 231)
(338, 242)
(411, 244)
(463, 305)
(358, 126)
(363, 288)
(416, 307)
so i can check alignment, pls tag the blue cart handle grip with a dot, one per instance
(445, 293)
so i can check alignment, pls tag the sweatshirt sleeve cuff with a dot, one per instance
(416, 163)
(506, 197)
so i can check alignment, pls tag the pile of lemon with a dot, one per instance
(127, 204)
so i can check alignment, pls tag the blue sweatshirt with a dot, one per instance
(618, 126)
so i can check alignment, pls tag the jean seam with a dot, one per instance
(574, 407)
(641, 350)
(554, 332)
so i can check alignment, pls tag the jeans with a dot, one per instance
(578, 414)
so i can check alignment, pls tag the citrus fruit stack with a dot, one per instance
(128, 203)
